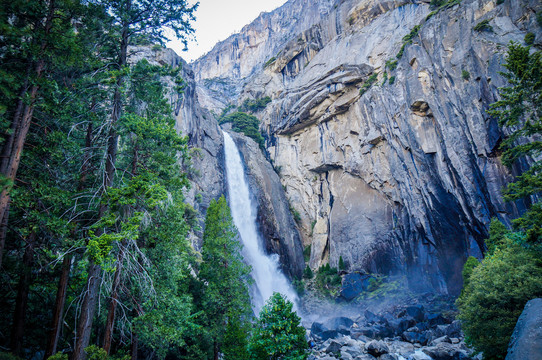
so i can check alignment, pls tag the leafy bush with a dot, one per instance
(499, 2)
(368, 83)
(496, 293)
(392, 80)
(529, 38)
(246, 124)
(307, 273)
(539, 18)
(483, 26)
(465, 75)
(254, 105)
(391, 64)
(307, 250)
(328, 281)
(278, 333)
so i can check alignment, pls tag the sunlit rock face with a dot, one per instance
(400, 177)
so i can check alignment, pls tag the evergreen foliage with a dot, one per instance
(225, 299)
(246, 124)
(278, 333)
(496, 293)
(520, 113)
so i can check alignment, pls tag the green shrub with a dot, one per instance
(384, 78)
(437, 3)
(539, 18)
(465, 75)
(341, 263)
(391, 64)
(328, 281)
(254, 105)
(483, 26)
(495, 295)
(58, 356)
(469, 266)
(307, 253)
(295, 214)
(269, 62)
(392, 80)
(368, 83)
(278, 333)
(307, 273)
(299, 286)
(246, 124)
(529, 38)
(499, 2)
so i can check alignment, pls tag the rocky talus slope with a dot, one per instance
(395, 168)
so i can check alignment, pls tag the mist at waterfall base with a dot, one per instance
(265, 268)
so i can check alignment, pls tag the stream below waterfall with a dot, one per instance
(265, 268)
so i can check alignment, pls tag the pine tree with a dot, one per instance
(520, 113)
(226, 298)
(278, 333)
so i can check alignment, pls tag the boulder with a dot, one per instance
(442, 339)
(337, 322)
(398, 326)
(436, 319)
(371, 317)
(333, 348)
(526, 341)
(328, 334)
(416, 312)
(421, 338)
(388, 357)
(377, 348)
(318, 328)
(446, 351)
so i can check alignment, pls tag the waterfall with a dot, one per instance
(265, 268)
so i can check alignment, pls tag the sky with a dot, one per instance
(218, 19)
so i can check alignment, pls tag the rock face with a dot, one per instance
(395, 168)
(273, 214)
(526, 341)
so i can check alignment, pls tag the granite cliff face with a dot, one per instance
(394, 168)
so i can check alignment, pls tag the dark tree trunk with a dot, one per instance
(21, 303)
(56, 324)
(133, 347)
(113, 303)
(84, 327)
(88, 307)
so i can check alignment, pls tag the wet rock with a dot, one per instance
(377, 348)
(371, 317)
(389, 357)
(526, 341)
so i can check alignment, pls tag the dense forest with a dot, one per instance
(95, 259)
(93, 247)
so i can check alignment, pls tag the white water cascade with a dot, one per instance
(265, 268)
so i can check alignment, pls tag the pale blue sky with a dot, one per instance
(218, 19)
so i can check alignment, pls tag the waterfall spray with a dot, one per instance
(265, 268)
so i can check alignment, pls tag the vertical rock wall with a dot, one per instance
(399, 177)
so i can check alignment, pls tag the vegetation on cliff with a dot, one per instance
(496, 290)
